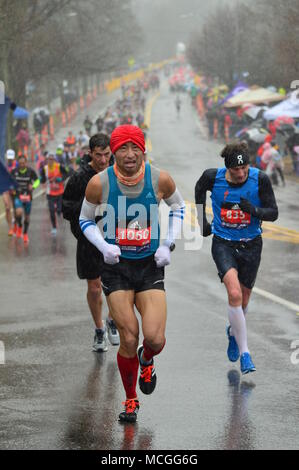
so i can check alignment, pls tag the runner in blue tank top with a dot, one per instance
(133, 273)
(242, 197)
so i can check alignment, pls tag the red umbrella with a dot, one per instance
(283, 120)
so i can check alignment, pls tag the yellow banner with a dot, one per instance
(117, 82)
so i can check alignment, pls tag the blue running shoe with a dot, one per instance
(233, 352)
(246, 364)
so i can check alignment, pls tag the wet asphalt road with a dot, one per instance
(56, 394)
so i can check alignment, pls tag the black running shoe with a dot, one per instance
(148, 378)
(129, 414)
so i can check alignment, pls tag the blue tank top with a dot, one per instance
(229, 221)
(136, 220)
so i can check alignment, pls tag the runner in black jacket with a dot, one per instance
(242, 198)
(89, 259)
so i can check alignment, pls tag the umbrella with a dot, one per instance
(43, 109)
(254, 111)
(286, 128)
(283, 120)
(257, 124)
(257, 135)
(241, 132)
(20, 113)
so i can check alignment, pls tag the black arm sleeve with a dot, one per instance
(64, 172)
(72, 198)
(42, 175)
(33, 176)
(204, 184)
(72, 201)
(269, 210)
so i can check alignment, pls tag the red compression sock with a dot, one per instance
(128, 368)
(149, 353)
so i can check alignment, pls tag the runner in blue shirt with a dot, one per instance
(242, 197)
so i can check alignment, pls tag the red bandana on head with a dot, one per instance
(126, 133)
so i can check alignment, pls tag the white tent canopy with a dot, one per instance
(289, 107)
(254, 95)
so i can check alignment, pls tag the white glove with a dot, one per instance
(162, 256)
(111, 253)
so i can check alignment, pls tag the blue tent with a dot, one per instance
(20, 113)
(6, 181)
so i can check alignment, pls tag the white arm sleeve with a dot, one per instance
(92, 232)
(176, 216)
(89, 227)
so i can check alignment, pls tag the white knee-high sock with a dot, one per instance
(245, 310)
(238, 327)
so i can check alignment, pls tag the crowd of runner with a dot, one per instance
(120, 253)
(51, 169)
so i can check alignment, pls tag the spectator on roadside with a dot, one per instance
(37, 122)
(228, 123)
(210, 115)
(83, 140)
(100, 123)
(87, 125)
(23, 140)
(271, 160)
(71, 139)
(291, 143)
(278, 162)
(272, 128)
(40, 156)
(140, 119)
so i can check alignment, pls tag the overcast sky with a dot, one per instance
(167, 22)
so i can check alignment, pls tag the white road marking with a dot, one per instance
(277, 299)
(35, 195)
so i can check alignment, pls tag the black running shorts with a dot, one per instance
(245, 257)
(90, 262)
(138, 275)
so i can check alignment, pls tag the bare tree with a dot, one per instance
(218, 47)
(256, 36)
(70, 38)
(57, 40)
